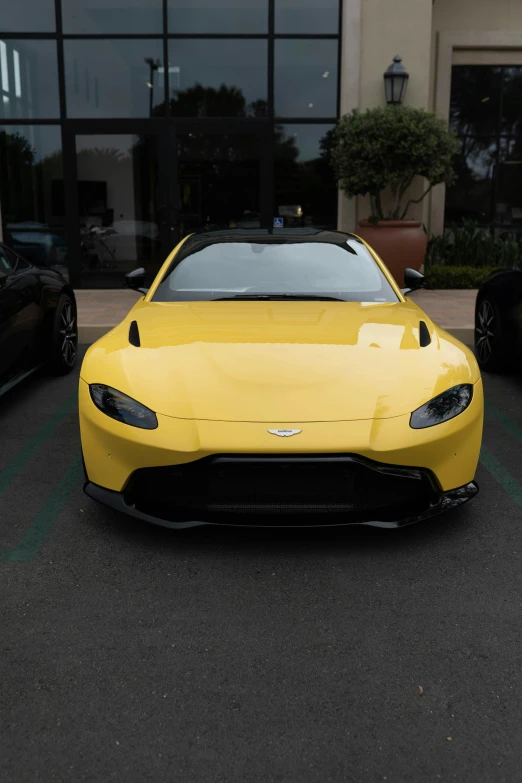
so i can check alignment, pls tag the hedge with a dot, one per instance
(441, 276)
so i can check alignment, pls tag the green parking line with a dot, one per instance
(43, 522)
(18, 463)
(508, 483)
(504, 420)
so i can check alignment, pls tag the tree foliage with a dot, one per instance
(385, 149)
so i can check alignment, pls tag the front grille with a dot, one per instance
(271, 485)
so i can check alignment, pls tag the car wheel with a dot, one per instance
(64, 344)
(490, 345)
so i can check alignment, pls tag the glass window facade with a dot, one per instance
(486, 114)
(115, 78)
(305, 80)
(307, 16)
(33, 205)
(305, 186)
(218, 77)
(218, 16)
(130, 122)
(29, 79)
(92, 17)
(28, 16)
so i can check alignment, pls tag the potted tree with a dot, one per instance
(380, 153)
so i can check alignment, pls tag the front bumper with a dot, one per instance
(114, 451)
(282, 491)
(445, 502)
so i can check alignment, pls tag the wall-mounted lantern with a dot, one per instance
(395, 81)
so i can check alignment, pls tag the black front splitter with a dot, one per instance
(445, 502)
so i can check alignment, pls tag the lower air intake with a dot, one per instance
(339, 484)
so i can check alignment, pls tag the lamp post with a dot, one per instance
(153, 65)
(395, 82)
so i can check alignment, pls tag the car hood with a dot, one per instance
(279, 362)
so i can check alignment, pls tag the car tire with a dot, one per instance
(64, 338)
(491, 348)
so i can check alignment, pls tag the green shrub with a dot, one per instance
(441, 276)
(470, 245)
(385, 149)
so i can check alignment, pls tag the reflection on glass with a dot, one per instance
(305, 78)
(33, 209)
(472, 194)
(486, 106)
(256, 267)
(307, 16)
(114, 78)
(218, 16)
(112, 16)
(511, 119)
(508, 207)
(218, 181)
(475, 99)
(305, 186)
(218, 78)
(117, 192)
(29, 79)
(28, 16)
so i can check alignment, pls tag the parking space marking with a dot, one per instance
(504, 420)
(43, 522)
(27, 451)
(495, 468)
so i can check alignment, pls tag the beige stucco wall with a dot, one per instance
(390, 27)
(477, 15)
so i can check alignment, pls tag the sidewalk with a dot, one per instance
(100, 310)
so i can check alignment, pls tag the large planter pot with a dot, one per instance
(399, 243)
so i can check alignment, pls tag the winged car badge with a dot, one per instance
(284, 433)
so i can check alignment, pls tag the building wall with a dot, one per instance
(499, 27)
(388, 28)
(471, 15)
(411, 29)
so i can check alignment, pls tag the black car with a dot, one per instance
(38, 323)
(498, 321)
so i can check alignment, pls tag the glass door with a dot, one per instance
(121, 206)
(133, 190)
(224, 178)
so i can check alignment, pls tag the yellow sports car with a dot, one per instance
(279, 377)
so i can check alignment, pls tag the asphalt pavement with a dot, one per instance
(132, 653)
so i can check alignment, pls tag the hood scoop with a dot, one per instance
(424, 335)
(134, 334)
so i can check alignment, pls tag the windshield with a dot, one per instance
(227, 269)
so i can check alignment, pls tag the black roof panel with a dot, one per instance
(268, 235)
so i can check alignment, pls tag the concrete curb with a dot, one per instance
(88, 334)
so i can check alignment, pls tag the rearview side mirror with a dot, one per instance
(413, 280)
(136, 280)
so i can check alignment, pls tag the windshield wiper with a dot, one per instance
(277, 297)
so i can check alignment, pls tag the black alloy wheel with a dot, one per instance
(64, 345)
(489, 344)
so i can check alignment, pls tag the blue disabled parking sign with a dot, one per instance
(278, 222)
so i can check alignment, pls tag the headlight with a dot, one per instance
(122, 408)
(443, 407)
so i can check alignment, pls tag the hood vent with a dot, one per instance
(424, 335)
(134, 334)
